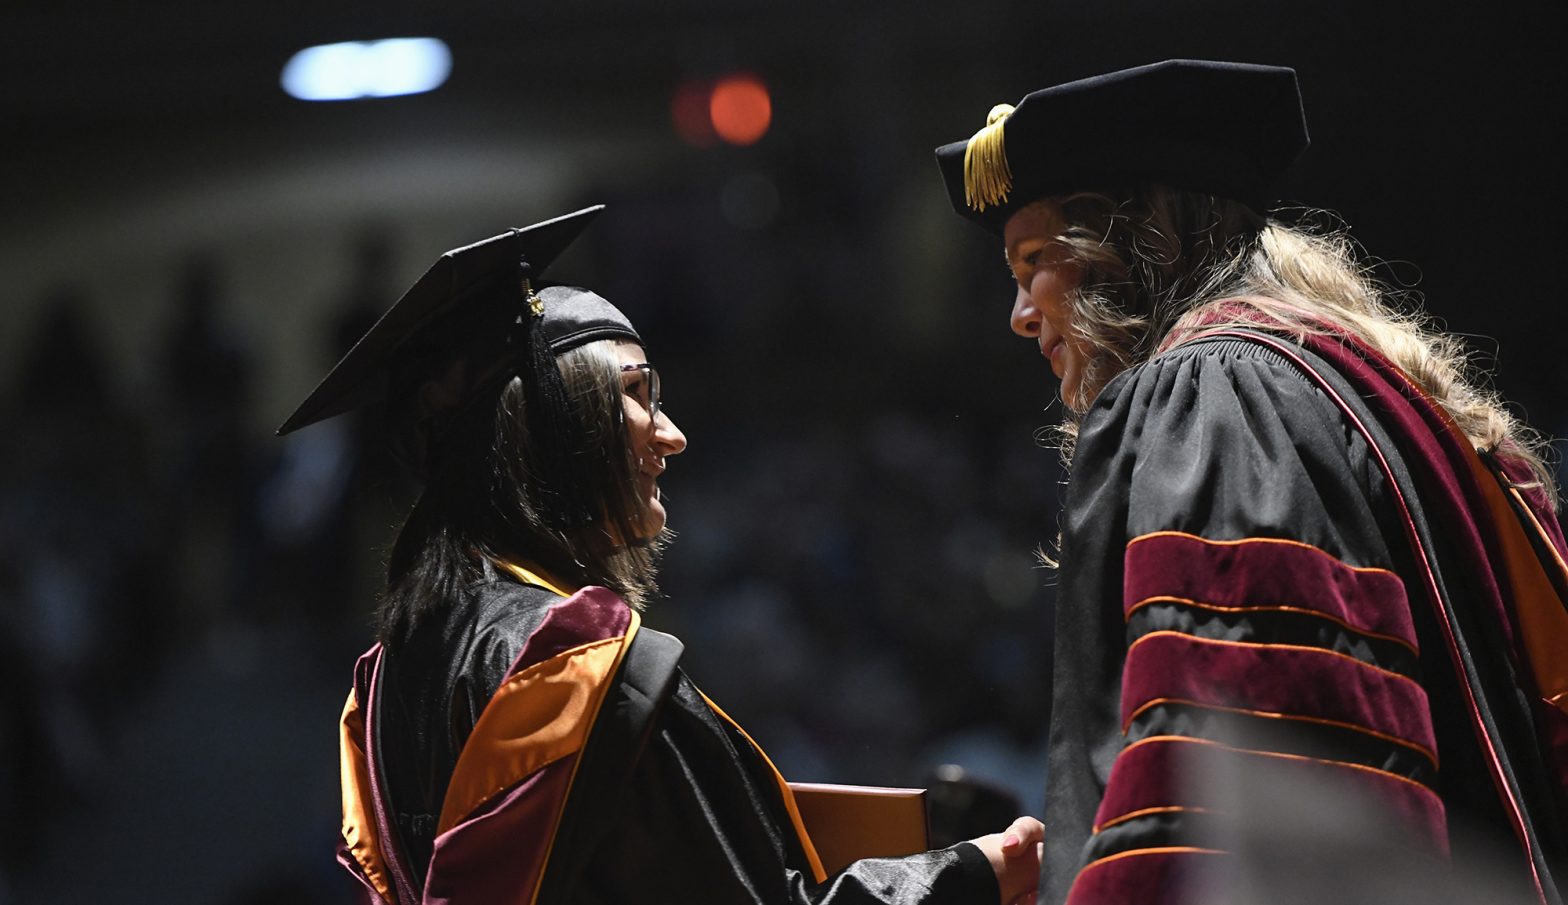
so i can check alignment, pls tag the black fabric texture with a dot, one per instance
(703, 819)
(1315, 740)
(1478, 823)
(691, 833)
(1227, 439)
(432, 689)
(644, 682)
(1273, 627)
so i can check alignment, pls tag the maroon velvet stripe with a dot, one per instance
(1154, 877)
(1157, 772)
(497, 854)
(1424, 434)
(364, 673)
(1438, 457)
(1300, 682)
(592, 614)
(1261, 572)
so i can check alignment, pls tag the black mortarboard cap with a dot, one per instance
(1228, 129)
(470, 291)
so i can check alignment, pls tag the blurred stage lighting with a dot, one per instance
(741, 109)
(360, 69)
(736, 109)
(689, 113)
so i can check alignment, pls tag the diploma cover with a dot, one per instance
(847, 823)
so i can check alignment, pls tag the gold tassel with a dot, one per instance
(535, 303)
(987, 177)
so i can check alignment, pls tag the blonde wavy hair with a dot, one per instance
(1157, 260)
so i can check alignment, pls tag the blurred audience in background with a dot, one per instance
(856, 581)
(857, 514)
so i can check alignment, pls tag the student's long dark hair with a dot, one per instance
(496, 493)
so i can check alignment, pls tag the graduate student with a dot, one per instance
(1301, 541)
(516, 736)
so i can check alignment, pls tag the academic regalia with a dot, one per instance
(529, 742)
(1279, 559)
(478, 728)
(1238, 585)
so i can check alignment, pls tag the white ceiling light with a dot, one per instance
(358, 69)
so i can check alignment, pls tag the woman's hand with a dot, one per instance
(1014, 854)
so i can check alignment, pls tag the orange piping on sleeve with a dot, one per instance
(1169, 850)
(1187, 740)
(1270, 608)
(1260, 540)
(1269, 714)
(1253, 644)
(1145, 812)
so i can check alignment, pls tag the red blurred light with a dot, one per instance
(740, 109)
(689, 113)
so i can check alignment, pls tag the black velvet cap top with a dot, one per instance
(1228, 129)
(469, 304)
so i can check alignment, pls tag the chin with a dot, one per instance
(655, 519)
(1072, 402)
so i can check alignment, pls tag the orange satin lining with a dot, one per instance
(1166, 598)
(1187, 740)
(359, 827)
(785, 790)
(1543, 623)
(1260, 540)
(536, 717)
(1302, 647)
(1421, 749)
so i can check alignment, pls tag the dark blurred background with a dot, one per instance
(185, 249)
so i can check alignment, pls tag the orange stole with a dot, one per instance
(538, 716)
(359, 825)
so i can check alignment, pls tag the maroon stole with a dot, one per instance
(510, 785)
(509, 796)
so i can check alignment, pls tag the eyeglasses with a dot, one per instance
(651, 381)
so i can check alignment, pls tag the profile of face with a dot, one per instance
(650, 432)
(1046, 278)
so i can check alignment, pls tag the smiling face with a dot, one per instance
(1047, 278)
(653, 437)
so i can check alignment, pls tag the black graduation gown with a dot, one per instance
(703, 820)
(1237, 592)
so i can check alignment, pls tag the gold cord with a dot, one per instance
(987, 177)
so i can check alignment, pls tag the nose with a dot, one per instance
(667, 438)
(1026, 317)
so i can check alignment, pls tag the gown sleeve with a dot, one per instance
(704, 823)
(1228, 603)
